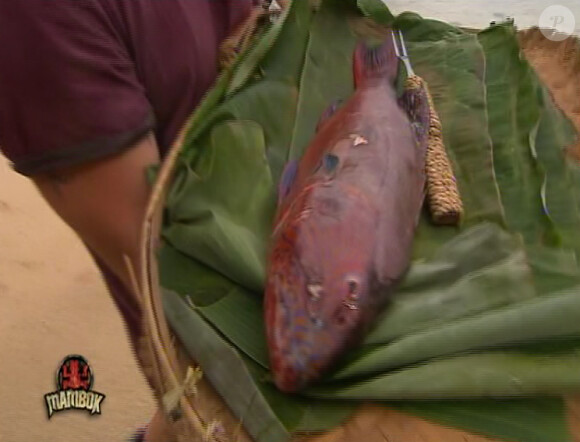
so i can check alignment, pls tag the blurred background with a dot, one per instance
(479, 13)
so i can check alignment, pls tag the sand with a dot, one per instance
(53, 303)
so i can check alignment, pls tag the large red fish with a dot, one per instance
(345, 223)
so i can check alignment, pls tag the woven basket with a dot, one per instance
(204, 416)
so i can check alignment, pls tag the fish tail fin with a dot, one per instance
(375, 62)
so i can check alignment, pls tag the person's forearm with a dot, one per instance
(104, 202)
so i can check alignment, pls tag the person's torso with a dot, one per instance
(174, 45)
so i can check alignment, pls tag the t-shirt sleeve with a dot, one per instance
(69, 92)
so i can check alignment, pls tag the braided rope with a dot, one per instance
(443, 196)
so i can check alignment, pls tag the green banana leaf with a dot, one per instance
(524, 322)
(221, 229)
(512, 89)
(491, 374)
(484, 309)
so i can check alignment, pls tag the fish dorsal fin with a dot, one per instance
(288, 177)
(328, 113)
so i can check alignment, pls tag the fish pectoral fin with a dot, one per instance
(328, 113)
(287, 179)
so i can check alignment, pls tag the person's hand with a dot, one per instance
(158, 429)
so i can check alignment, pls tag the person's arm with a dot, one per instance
(75, 118)
(104, 202)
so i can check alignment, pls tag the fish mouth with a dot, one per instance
(309, 324)
(293, 371)
(294, 341)
(301, 350)
(288, 379)
(303, 346)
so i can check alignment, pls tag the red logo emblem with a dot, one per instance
(75, 373)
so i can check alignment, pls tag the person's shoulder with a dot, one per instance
(43, 18)
(68, 85)
(35, 10)
(52, 38)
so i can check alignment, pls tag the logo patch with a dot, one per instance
(74, 381)
(557, 23)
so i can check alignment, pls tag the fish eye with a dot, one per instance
(330, 162)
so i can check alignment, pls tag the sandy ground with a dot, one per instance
(53, 303)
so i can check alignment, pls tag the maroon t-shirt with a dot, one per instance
(84, 79)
